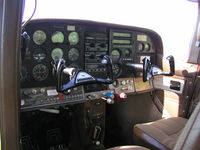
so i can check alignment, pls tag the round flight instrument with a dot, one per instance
(115, 55)
(57, 37)
(39, 37)
(57, 53)
(40, 72)
(140, 47)
(39, 55)
(147, 47)
(73, 38)
(73, 54)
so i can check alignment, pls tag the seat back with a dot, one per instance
(190, 136)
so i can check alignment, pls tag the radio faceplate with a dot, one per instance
(34, 98)
(96, 46)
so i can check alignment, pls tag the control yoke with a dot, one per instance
(80, 77)
(150, 70)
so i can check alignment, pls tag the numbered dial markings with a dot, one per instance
(73, 38)
(40, 72)
(115, 55)
(39, 37)
(57, 53)
(57, 37)
(73, 54)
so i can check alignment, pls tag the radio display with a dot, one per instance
(121, 41)
(92, 66)
(121, 34)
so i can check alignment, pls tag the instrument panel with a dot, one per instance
(82, 44)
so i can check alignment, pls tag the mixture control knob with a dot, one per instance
(122, 95)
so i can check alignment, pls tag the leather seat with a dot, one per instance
(128, 148)
(168, 130)
(162, 134)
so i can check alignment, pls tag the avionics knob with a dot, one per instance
(34, 91)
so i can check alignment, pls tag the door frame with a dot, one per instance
(10, 30)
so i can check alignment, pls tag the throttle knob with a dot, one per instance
(108, 97)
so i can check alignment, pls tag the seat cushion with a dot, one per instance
(128, 148)
(162, 134)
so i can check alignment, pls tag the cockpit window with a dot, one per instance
(173, 20)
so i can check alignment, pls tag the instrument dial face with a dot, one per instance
(39, 55)
(57, 37)
(57, 53)
(115, 55)
(40, 72)
(73, 54)
(147, 47)
(73, 38)
(140, 47)
(39, 37)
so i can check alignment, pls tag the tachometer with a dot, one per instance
(57, 37)
(115, 55)
(73, 38)
(39, 37)
(40, 72)
(39, 55)
(56, 53)
(73, 54)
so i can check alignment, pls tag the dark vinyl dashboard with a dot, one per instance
(82, 44)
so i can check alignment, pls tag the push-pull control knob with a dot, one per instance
(108, 97)
(120, 97)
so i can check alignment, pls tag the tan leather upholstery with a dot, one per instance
(190, 137)
(128, 148)
(168, 134)
(162, 134)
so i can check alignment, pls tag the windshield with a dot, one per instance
(173, 20)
